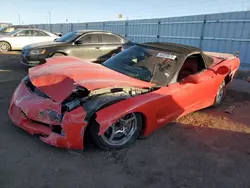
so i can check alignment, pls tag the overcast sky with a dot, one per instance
(37, 11)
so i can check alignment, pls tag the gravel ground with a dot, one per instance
(207, 149)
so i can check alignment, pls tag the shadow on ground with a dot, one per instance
(183, 154)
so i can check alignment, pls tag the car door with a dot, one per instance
(22, 38)
(198, 84)
(187, 95)
(41, 36)
(87, 47)
(111, 45)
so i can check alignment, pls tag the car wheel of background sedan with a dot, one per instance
(220, 94)
(5, 47)
(120, 134)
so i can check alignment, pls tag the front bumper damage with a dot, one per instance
(36, 115)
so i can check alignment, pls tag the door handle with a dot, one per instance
(97, 47)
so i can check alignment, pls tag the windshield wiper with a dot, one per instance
(154, 71)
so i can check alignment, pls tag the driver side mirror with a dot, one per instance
(192, 79)
(78, 42)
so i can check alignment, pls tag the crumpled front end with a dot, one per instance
(37, 114)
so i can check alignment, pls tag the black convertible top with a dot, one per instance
(172, 47)
(156, 62)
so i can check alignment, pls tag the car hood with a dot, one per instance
(60, 75)
(44, 45)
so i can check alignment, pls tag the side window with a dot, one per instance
(39, 33)
(26, 33)
(111, 39)
(90, 39)
(192, 65)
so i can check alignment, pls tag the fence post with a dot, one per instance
(202, 31)
(86, 26)
(61, 28)
(126, 29)
(71, 27)
(103, 25)
(158, 31)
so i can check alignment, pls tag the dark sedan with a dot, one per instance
(95, 46)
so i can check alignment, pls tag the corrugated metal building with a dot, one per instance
(224, 32)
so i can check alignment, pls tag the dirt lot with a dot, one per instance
(207, 149)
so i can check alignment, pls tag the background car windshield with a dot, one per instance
(7, 30)
(2, 30)
(141, 63)
(69, 37)
(12, 32)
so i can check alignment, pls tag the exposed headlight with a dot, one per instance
(37, 51)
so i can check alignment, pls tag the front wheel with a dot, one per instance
(5, 47)
(120, 134)
(220, 94)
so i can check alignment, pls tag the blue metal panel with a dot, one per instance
(95, 26)
(56, 28)
(223, 32)
(115, 27)
(65, 28)
(79, 26)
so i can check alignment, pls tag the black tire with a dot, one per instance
(4, 46)
(100, 142)
(57, 54)
(220, 94)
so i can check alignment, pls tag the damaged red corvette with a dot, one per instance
(129, 96)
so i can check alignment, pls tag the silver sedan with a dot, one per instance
(19, 38)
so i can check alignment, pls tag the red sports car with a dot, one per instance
(130, 95)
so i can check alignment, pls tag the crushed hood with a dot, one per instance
(60, 75)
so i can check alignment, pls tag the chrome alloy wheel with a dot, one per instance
(122, 131)
(4, 47)
(220, 93)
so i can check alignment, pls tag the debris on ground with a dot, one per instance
(230, 109)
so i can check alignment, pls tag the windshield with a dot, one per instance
(12, 32)
(2, 30)
(69, 37)
(6, 30)
(143, 63)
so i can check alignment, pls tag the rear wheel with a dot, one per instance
(220, 94)
(120, 134)
(5, 47)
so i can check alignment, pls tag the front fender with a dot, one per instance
(147, 104)
(100, 102)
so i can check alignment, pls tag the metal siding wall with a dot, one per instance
(224, 32)
(95, 26)
(142, 30)
(56, 28)
(182, 30)
(79, 26)
(65, 28)
(115, 27)
(228, 32)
